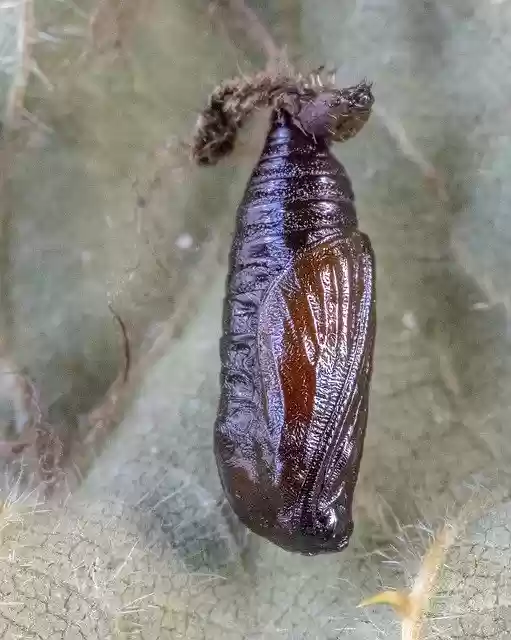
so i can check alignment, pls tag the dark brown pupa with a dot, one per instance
(299, 317)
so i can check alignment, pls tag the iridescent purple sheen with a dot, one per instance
(297, 347)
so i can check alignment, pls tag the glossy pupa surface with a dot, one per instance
(298, 333)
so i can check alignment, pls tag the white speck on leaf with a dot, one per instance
(409, 320)
(184, 241)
